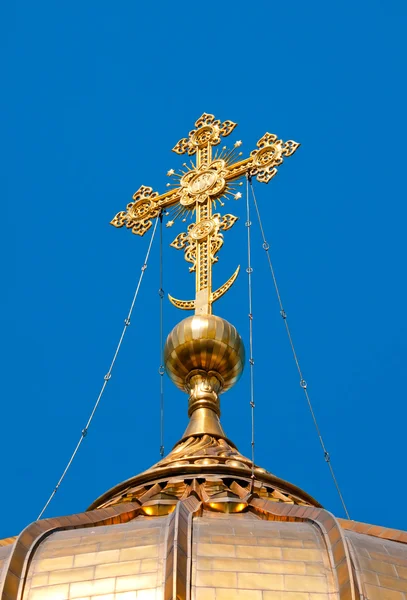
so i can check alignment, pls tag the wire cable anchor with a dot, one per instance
(249, 272)
(303, 383)
(106, 378)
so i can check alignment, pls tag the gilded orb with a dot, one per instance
(204, 343)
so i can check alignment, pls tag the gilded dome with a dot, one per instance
(263, 549)
(205, 343)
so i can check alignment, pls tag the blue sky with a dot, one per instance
(96, 95)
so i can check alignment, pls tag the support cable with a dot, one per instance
(249, 271)
(303, 383)
(106, 378)
(161, 369)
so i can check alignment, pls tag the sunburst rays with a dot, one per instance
(225, 154)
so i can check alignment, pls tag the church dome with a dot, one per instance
(197, 526)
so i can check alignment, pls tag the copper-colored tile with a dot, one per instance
(53, 592)
(49, 564)
(216, 550)
(113, 544)
(136, 582)
(302, 554)
(258, 552)
(342, 572)
(203, 563)
(338, 551)
(234, 564)
(39, 579)
(148, 565)
(131, 567)
(216, 579)
(291, 543)
(379, 593)
(96, 558)
(315, 569)
(334, 535)
(222, 539)
(71, 575)
(378, 566)
(51, 552)
(393, 583)
(296, 583)
(287, 596)
(92, 587)
(281, 566)
(229, 594)
(401, 571)
(139, 552)
(11, 585)
(205, 593)
(151, 594)
(265, 581)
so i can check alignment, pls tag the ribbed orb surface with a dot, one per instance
(207, 343)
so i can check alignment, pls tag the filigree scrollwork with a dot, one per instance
(182, 146)
(227, 221)
(207, 119)
(180, 241)
(184, 240)
(226, 128)
(216, 245)
(209, 130)
(269, 155)
(207, 230)
(221, 223)
(138, 214)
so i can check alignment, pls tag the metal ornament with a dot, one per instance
(196, 189)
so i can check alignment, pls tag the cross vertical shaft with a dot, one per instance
(203, 277)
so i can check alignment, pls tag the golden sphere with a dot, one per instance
(205, 343)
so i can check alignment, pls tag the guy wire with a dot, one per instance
(107, 377)
(249, 272)
(303, 383)
(161, 370)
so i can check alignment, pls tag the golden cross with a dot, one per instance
(197, 189)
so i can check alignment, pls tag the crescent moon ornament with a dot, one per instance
(191, 304)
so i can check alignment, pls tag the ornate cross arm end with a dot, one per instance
(208, 130)
(138, 214)
(269, 155)
(226, 222)
(290, 147)
(182, 146)
(119, 220)
(137, 226)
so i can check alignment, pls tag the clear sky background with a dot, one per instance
(95, 95)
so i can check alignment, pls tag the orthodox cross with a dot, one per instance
(197, 189)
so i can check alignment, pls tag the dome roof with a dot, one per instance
(236, 545)
(205, 459)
